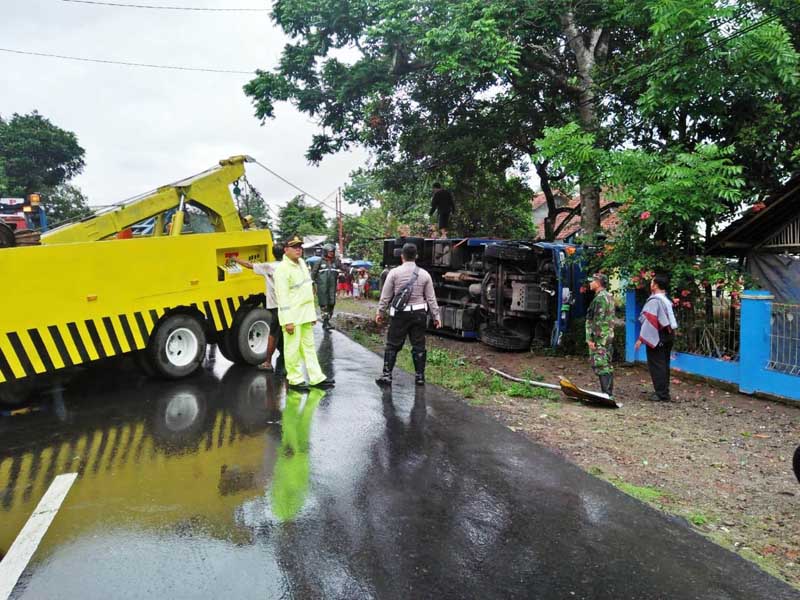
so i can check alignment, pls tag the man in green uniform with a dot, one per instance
(297, 313)
(600, 332)
(326, 277)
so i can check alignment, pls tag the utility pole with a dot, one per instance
(339, 217)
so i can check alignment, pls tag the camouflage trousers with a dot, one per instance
(600, 358)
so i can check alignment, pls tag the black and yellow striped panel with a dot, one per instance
(55, 346)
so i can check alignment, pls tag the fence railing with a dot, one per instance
(709, 326)
(765, 359)
(784, 339)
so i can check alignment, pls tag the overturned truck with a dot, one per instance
(511, 295)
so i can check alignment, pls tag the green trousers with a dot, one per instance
(298, 348)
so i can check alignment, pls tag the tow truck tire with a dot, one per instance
(250, 336)
(796, 463)
(503, 339)
(178, 346)
(10, 397)
(226, 346)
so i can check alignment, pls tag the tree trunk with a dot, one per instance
(589, 47)
(550, 219)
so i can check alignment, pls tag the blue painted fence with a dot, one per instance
(750, 372)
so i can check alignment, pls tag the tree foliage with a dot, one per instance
(461, 90)
(298, 217)
(37, 154)
(65, 203)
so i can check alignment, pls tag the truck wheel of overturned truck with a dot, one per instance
(7, 238)
(504, 339)
(178, 346)
(250, 336)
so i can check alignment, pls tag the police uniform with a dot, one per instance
(600, 331)
(411, 322)
(326, 277)
(295, 295)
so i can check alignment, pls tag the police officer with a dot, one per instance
(412, 320)
(326, 277)
(600, 332)
(294, 292)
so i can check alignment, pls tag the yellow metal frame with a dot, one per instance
(69, 302)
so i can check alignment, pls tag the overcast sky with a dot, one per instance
(142, 127)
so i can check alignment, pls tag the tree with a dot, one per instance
(37, 154)
(300, 218)
(65, 203)
(454, 89)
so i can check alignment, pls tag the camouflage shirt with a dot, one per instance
(600, 319)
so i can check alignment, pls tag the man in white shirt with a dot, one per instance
(267, 270)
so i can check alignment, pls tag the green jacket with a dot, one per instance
(294, 292)
(326, 276)
(600, 319)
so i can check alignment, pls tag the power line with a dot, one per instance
(126, 63)
(152, 7)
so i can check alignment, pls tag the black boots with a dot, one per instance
(419, 359)
(389, 358)
(607, 384)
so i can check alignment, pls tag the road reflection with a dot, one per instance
(160, 453)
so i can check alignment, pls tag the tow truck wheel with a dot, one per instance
(250, 336)
(226, 345)
(178, 346)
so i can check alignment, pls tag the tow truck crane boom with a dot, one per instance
(207, 190)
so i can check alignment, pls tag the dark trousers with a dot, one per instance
(658, 363)
(411, 324)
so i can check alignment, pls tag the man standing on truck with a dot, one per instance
(415, 286)
(326, 277)
(600, 332)
(267, 270)
(443, 202)
(294, 292)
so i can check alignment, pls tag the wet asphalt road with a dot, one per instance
(224, 486)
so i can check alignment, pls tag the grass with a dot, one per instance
(640, 492)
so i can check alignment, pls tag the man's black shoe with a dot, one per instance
(300, 387)
(419, 379)
(325, 383)
(385, 379)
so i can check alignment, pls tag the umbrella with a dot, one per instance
(362, 263)
(313, 259)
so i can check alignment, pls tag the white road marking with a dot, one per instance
(28, 539)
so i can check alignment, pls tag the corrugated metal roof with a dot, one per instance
(760, 222)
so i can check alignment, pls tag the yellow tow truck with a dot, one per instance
(92, 290)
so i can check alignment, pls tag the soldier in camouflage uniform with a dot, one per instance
(325, 275)
(600, 332)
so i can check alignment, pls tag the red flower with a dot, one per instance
(686, 304)
(734, 295)
(645, 215)
(583, 289)
(675, 302)
(759, 207)
(685, 293)
(635, 279)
